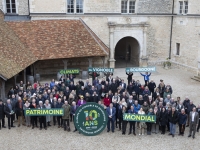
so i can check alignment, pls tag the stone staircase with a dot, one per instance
(196, 78)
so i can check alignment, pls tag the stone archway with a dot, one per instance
(127, 53)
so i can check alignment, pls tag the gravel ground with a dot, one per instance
(54, 138)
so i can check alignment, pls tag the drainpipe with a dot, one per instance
(29, 8)
(172, 20)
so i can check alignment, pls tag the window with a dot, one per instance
(79, 6)
(183, 7)
(70, 6)
(128, 6)
(124, 6)
(131, 6)
(186, 6)
(10, 6)
(177, 48)
(74, 6)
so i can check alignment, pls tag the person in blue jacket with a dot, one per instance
(136, 106)
(146, 77)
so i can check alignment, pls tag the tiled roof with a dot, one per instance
(14, 56)
(53, 39)
(24, 42)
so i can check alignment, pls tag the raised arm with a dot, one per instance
(141, 74)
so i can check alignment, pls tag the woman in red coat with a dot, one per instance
(106, 101)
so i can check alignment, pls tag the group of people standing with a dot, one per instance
(149, 99)
(113, 94)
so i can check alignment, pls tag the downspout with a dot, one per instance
(171, 30)
(29, 9)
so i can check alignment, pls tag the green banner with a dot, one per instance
(141, 69)
(70, 71)
(139, 118)
(44, 112)
(90, 119)
(110, 70)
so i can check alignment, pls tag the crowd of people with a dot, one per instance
(113, 94)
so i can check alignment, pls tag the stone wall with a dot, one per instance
(105, 6)
(100, 26)
(158, 33)
(48, 6)
(186, 31)
(23, 7)
(158, 38)
(193, 6)
(154, 6)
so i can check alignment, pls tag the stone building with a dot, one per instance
(135, 32)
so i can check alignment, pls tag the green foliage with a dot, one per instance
(167, 63)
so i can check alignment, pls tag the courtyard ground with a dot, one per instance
(56, 139)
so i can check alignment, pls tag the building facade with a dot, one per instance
(137, 32)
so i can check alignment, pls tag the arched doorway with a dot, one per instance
(127, 53)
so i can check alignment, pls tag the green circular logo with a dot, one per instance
(90, 119)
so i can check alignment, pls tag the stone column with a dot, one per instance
(65, 61)
(103, 59)
(112, 60)
(90, 65)
(144, 59)
(90, 62)
(34, 70)
(15, 78)
(25, 76)
(3, 95)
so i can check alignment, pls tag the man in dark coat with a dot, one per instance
(2, 115)
(19, 111)
(94, 75)
(72, 86)
(120, 114)
(113, 87)
(59, 118)
(186, 104)
(152, 86)
(82, 91)
(136, 88)
(130, 88)
(9, 110)
(163, 119)
(130, 102)
(132, 123)
(95, 98)
(129, 78)
(173, 119)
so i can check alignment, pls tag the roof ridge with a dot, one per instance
(90, 30)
